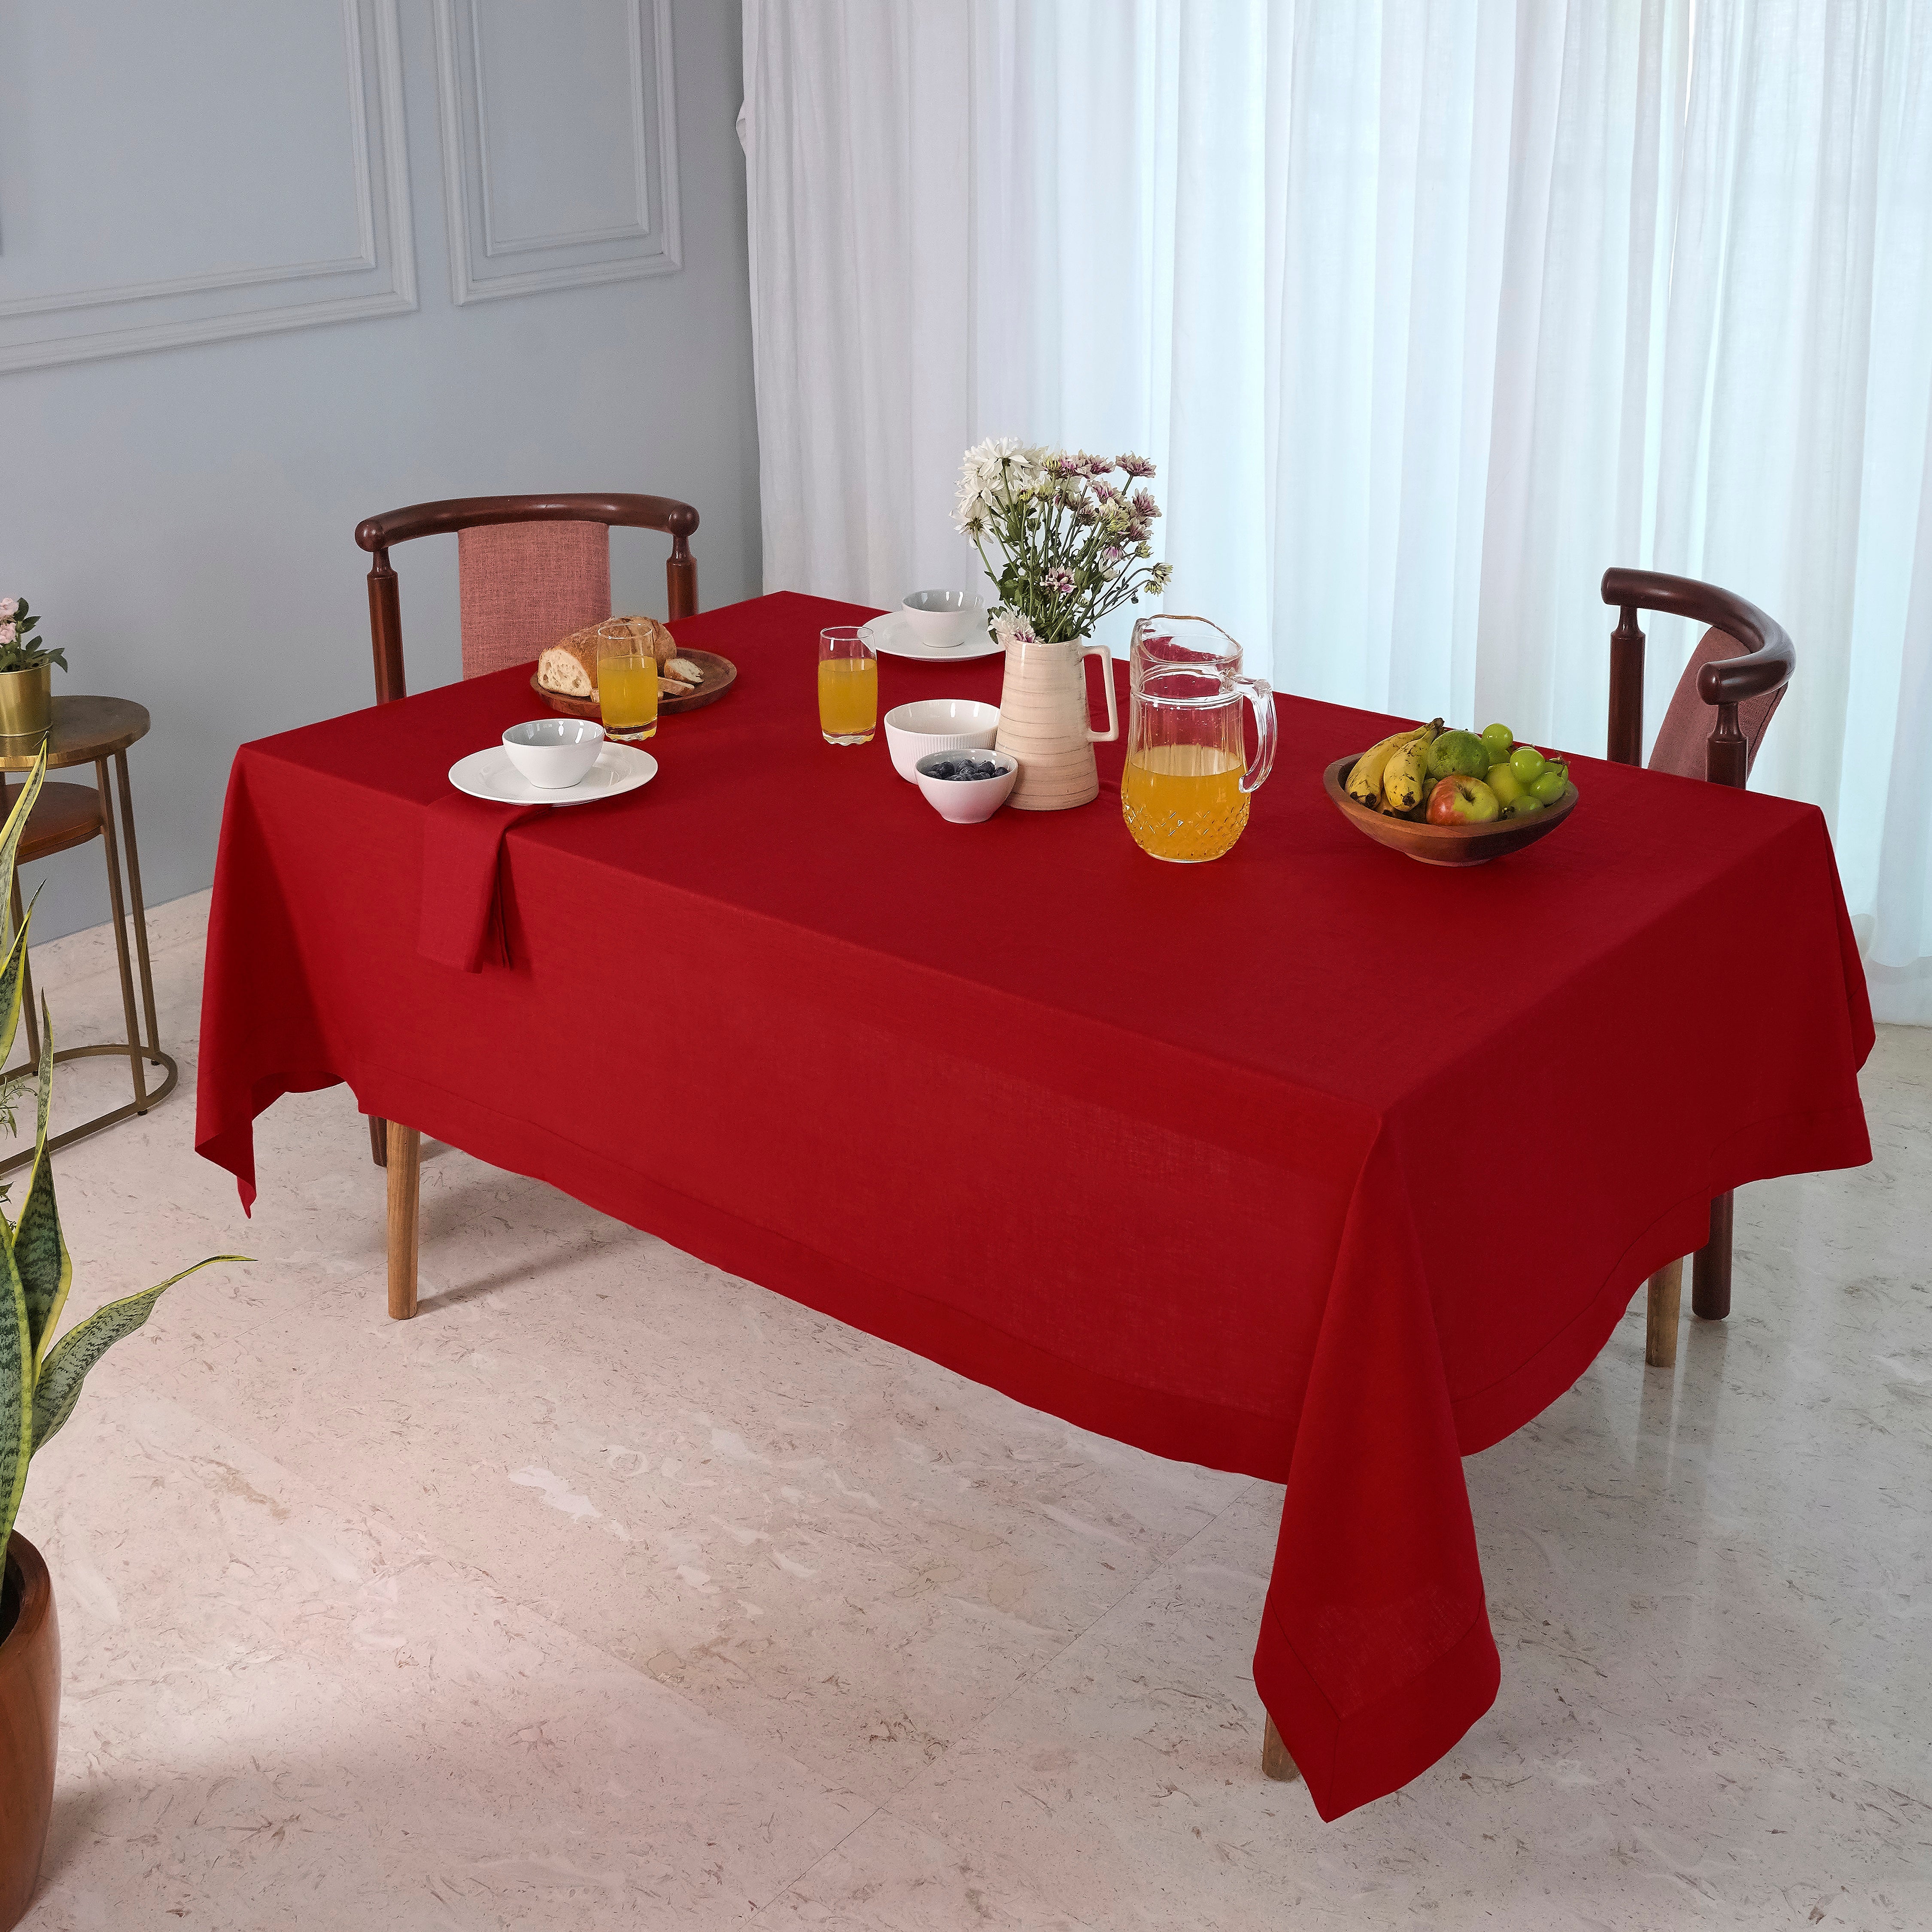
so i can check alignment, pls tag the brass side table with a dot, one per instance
(96, 731)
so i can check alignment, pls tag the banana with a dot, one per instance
(1405, 777)
(1365, 781)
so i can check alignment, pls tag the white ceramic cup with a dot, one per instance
(942, 619)
(967, 801)
(554, 752)
(938, 725)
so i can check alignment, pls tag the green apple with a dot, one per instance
(1458, 753)
(1504, 783)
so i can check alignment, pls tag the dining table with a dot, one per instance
(1312, 1163)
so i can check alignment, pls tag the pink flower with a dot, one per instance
(1135, 466)
(7, 634)
(1144, 506)
(9, 606)
(1058, 582)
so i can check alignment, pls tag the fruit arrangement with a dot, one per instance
(1456, 778)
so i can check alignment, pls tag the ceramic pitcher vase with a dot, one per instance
(1043, 720)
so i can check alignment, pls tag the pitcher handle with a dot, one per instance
(1261, 699)
(1113, 730)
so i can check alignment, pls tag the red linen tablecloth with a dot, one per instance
(1313, 1163)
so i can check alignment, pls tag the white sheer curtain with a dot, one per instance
(1428, 311)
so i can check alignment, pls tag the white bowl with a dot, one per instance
(940, 619)
(554, 752)
(967, 801)
(938, 725)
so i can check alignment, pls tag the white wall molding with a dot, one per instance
(82, 324)
(646, 243)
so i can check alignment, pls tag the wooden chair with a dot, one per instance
(530, 570)
(1740, 669)
(516, 582)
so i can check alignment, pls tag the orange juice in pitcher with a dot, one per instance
(1185, 787)
(1184, 802)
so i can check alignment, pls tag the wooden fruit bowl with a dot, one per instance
(1444, 844)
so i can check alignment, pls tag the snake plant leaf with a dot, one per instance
(10, 838)
(41, 1255)
(13, 979)
(16, 1397)
(58, 1389)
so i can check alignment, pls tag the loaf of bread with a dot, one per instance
(569, 667)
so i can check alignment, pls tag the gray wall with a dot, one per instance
(191, 174)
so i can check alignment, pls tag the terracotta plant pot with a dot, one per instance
(26, 702)
(29, 1723)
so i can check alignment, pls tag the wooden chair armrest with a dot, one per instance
(1769, 659)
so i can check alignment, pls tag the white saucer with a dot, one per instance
(894, 636)
(490, 774)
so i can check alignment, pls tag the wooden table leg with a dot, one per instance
(405, 1169)
(1276, 1762)
(1659, 1334)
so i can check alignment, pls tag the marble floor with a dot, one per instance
(614, 1590)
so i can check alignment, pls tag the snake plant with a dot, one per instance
(39, 1378)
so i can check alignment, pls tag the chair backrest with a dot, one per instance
(1683, 739)
(524, 585)
(1740, 669)
(533, 568)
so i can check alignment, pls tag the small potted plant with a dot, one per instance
(26, 685)
(39, 1383)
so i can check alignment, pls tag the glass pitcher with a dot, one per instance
(1185, 787)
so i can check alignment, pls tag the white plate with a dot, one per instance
(894, 636)
(490, 774)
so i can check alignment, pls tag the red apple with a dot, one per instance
(1462, 801)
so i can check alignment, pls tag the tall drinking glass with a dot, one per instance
(848, 687)
(627, 684)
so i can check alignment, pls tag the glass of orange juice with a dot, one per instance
(627, 684)
(848, 687)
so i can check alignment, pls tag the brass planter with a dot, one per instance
(26, 703)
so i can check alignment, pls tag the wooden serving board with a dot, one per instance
(720, 674)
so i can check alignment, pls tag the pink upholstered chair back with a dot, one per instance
(524, 585)
(1682, 737)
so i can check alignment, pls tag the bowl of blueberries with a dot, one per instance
(967, 786)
